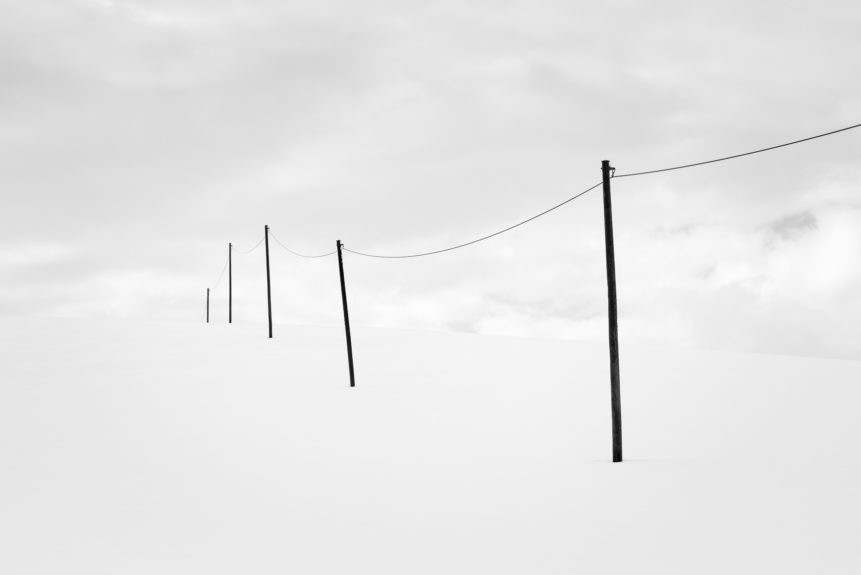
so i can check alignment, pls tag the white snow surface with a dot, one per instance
(134, 448)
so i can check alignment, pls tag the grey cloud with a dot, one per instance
(793, 226)
(143, 136)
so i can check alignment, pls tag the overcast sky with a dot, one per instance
(140, 137)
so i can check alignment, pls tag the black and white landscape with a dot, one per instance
(150, 424)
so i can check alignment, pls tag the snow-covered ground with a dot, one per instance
(164, 448)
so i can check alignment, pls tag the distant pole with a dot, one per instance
(615, 400)
(229, 283)
(346, 314)
(268, 283)
(207, 305)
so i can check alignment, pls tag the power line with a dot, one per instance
(481, 239)
(240, 252)
(221, 275)
(277, 241)
(738, 155)
(557, 206)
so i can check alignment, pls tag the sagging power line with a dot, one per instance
(295, 253)
(481, 239)
(557, 206)
(246, 252)
(221, 275)
(632, 174)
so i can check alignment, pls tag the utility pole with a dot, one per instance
(268, 283)
(229, 283)
(615, 400)
(346, 314)
(207, 305)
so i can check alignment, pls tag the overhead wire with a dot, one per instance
(221, 275)
(295, 253)
(246, 252)
(557, 206)
(643, 173)
(475, 241)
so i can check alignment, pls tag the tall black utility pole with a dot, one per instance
(268, 283)
(229, 283)
(346, 314)
(615, 400)
(207, 305)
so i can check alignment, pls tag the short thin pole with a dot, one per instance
(615, 400)
(229, 283)
(207, 305)
(268, 282)
(346, 314)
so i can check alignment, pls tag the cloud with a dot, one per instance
(793, 226)
(141, 137)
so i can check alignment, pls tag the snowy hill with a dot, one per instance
(130, 448)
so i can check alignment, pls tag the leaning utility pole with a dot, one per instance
(615, 400)
(229, 283)
(268, 283)
(346, 314)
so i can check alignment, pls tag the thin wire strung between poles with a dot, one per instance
(242, 253)
(277, 241)
(737, 155)
(481, 239)
(221, 275)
